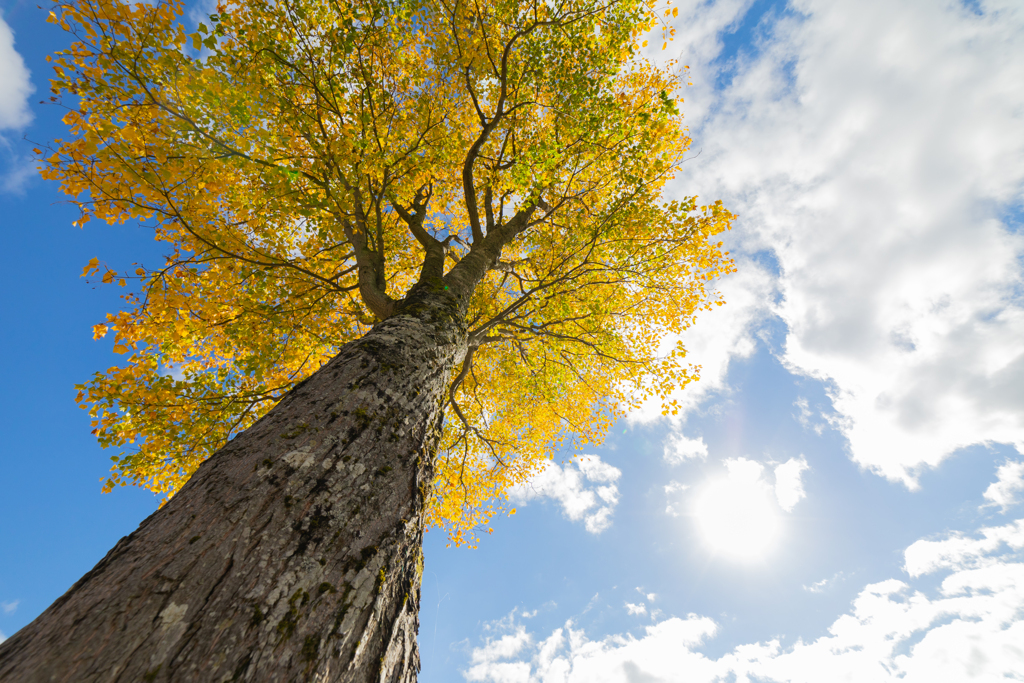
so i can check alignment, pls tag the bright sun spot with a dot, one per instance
(736, 514)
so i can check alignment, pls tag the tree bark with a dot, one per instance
(293, 553)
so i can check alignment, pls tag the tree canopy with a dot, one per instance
(306, 162)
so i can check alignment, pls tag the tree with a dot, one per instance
(414, 249)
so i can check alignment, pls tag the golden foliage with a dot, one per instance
(303, 159)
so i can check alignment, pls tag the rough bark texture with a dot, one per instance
(294, 553)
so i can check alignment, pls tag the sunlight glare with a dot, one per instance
(737, 516)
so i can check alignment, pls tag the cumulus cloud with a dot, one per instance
(789, 486)
(675, 487)
(488, 658)
(567, 655)
(963, 552)
(876, 150)
(744, 472)
(679, 448)
(1005, 491)
(585, 489)
(970, 628)
(636, 609)
(503, 647)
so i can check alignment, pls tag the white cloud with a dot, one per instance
(636, 609)
(568, 486)
(789, 487)
(10, 607)
(744, 471)
(675, 487)
(15, 85)
(960, 552)
(485, 659)
(504, 647)
(824, 584)
(15, 88)
(875, 148)
(679, 449)
(1004, 492)
(698, 41)
(970, 628)
(670, 488)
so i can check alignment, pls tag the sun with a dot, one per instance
(737, 517)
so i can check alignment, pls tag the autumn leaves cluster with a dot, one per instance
(296, 157)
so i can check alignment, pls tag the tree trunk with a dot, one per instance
(294, 553)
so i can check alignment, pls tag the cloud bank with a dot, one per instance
(876, 150)
(970, 628)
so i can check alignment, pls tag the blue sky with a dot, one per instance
(861, 408)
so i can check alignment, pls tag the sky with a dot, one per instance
(842, 497)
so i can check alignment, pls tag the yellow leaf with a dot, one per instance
(91, 267)
(99, 331)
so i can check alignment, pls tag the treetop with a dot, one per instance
(307, 164)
